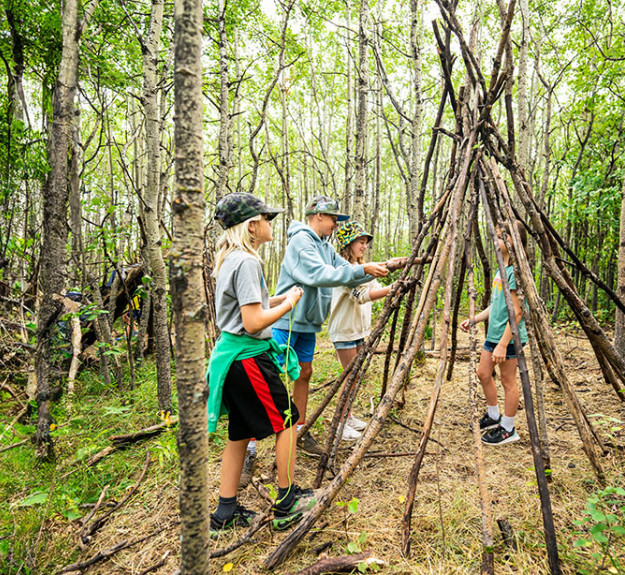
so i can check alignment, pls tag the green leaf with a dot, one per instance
(597, 516)
(362, 538)
(34, 499)
(600, 538)
(353, 547)
(353, 505)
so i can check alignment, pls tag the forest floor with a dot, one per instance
(42, 508)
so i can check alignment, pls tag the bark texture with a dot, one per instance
(55, 201)
(189, 305)
(154, 253)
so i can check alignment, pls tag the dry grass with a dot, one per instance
(446, 523)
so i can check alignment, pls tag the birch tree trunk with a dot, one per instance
(349, 128)
(361, 116)
(225, 138)
(189, 305)
(154, 254)
(55, 199)
(523, 131)
(414, 200)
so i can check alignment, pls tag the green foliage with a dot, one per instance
(604, 530)
(60, 492)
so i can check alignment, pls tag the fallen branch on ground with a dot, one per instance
(342, 564)
(87, 532)
(82, 565)
(14, 445)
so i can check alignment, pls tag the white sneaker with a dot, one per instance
(350, 434)
(355, 423)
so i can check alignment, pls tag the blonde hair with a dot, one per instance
(237, 237)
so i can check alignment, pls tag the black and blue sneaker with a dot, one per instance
(500, 436)
(292, 508)
(241, 518)
(487, 422)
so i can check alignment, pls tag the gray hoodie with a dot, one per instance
(313, 264)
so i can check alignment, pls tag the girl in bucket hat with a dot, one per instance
(350, 310)
(244, 370)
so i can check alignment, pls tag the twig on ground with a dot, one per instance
(156, 565)
(342, 564)
(255, 526)
(87, 532)
(82, 565)
(262, 490)
(143, 433)
(95, 507)
(15, 445)
(322, 386)
(508, 534)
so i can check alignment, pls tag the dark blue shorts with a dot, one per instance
(510, 351)
(302, 342)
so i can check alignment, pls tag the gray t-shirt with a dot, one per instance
(240, 281)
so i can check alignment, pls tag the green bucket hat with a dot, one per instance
(349, 232)
(238, 207)
(325, 205)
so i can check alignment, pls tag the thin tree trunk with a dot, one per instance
(188, 303)
(55, 201)
(522, 106)
(360, 160)
(619, 327)
(349, 128)
(151, 198)
(415, 199)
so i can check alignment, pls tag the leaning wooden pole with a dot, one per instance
(543, 489)
(449, 253)
(488, 557)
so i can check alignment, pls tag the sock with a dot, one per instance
(251, 446)
(507, 423)
(285, 496)
(225, 508)
(493, 412)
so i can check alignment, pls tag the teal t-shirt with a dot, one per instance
(498, 319)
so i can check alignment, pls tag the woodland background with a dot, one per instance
(300, 98)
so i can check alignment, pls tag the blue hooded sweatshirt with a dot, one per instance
(313, 264)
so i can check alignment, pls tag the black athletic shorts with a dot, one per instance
(258, 401)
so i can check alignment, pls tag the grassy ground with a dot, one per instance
(42, 507)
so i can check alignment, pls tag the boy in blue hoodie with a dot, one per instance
(311, 262)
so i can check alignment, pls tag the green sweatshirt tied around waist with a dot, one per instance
(230, 348)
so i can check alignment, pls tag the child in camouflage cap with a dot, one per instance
(244, 370)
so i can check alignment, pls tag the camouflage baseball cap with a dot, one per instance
(235, 208)
(349, 232)
(325, 205)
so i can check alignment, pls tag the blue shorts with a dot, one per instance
(348, 344)
(489, 346)
(302, 342)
